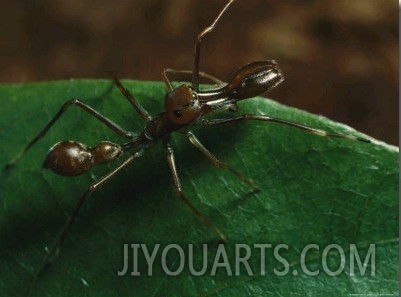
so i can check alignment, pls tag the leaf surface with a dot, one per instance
(314, 190)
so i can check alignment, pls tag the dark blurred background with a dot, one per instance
(339, 57)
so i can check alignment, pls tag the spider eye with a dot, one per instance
(177, 113)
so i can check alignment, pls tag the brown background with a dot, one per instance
(340, 58)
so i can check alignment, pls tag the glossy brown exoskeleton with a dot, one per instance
(184, 105)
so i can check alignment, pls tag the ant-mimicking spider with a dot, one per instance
(184, 105)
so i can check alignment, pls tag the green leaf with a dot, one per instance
(314, 190)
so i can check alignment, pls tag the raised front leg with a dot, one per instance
(198, 43)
